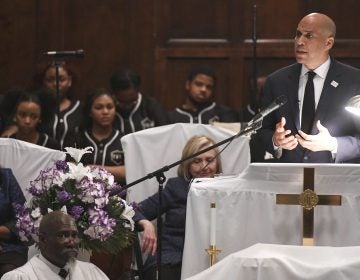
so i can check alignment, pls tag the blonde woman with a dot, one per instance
(174, 199)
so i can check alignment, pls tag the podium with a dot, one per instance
(247, 212)
(284, 262)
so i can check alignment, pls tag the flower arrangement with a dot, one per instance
(104, 222)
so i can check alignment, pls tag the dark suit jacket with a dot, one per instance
(341, 83)
(174, 199)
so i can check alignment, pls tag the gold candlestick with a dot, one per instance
(212, 252)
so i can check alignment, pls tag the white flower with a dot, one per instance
(90, 232)
(77, 154)
(23, 236)
(128, 213)
(86, 197)
(101, 202)
(63, 209)
(36, 213)
(89, 189)
(78, 171)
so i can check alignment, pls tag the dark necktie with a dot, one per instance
(308, 108)
(63, 273)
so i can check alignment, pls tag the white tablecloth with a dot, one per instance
(247, 212)
(284, 262)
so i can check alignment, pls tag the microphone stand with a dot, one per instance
(58, 100)
(56, 62)
(251, 127)
(254, 78)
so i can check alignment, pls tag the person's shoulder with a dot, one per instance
(76, 106)
(20, 273)
(343, 66)
(285, 70)
(148, 99)
(91, 269)
(5, 171)
(220, 106)
(223, 108)
(177, 187)
(177, 181)
(49, 142)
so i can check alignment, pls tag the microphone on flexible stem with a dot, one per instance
(277, 103)
(77, 53)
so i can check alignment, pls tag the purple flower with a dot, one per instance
(102, 226)
(76, 211)
(88, 199)
(62, 165)
(63, 196)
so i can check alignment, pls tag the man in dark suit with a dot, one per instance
(333, 134)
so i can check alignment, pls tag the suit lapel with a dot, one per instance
(327, 95)
(292, 93)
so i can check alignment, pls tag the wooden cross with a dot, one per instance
(308, 199)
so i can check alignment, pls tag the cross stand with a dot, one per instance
(308, 199)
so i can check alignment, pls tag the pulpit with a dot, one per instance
(247, 212)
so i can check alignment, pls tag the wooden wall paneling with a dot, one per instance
(190, 33)
(199, 19)
(17, 29)
(161, 23)
(141, 43)
(99, 29)
(113, 34)
(50, 19)
(195, 23)
(237, 97)
(142, 33)
(345, 13)
(275, 19)
(173, 65)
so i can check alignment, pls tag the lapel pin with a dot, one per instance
(334, 84)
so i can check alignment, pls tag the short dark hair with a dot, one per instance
(124, 79)
(201, 69)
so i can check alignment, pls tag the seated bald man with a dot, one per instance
(59, 245)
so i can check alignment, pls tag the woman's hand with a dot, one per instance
(149, 241)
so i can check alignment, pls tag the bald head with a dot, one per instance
(58, 238)
(324, 23)
(315, 36)
(51, 221)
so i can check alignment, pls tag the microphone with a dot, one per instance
(77, 53)
(277, 103)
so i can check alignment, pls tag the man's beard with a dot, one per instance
(71, 260)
